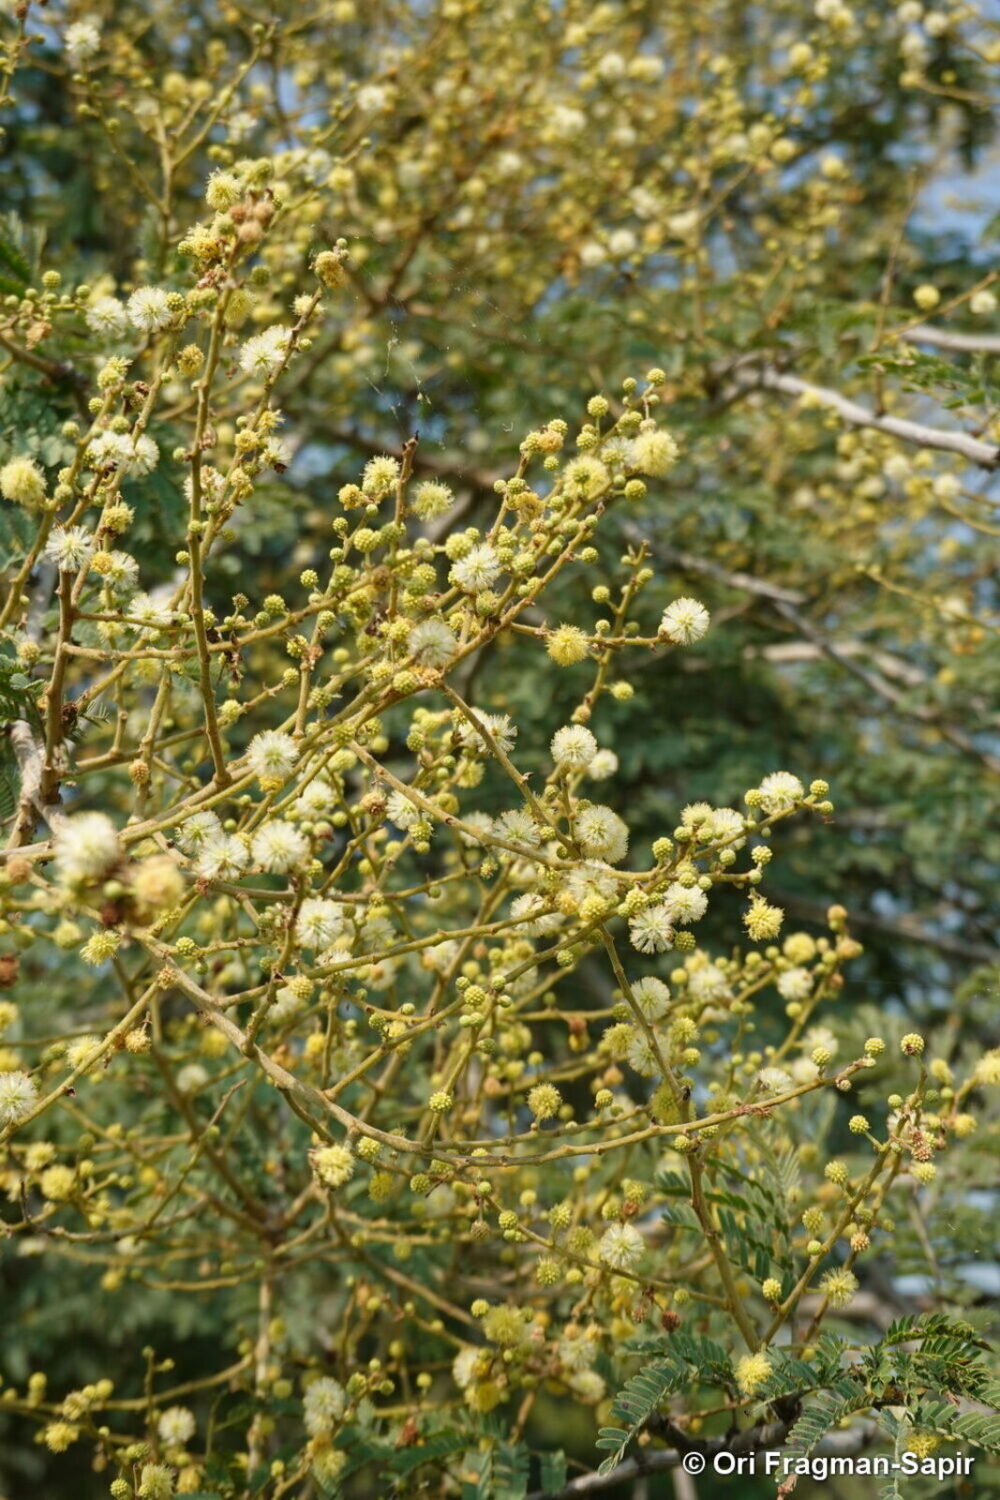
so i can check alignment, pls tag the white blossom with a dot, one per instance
(279, 847)
(401, 811)
(265, 352)
(324, 1404)
(779, 791)
(519, 826)
(602, 834)
(223, 856)
(198, 829)
(573, 747)
(148, 309)
(652, 997)
(621, 1245)
(148, 612)
(272, 755)
(176, 1426)
(708, 985)
(69, 547)
(319, 923)
(603, 765)
(685, 903)
(478, 570)
(498, 726)
(18, 1095)
(86, 847)
(795, 984)
(684, 621)
(432, 644)
(83, 41)
(641, 1055)
(107, 317)
(651, 931)
(774, 1080)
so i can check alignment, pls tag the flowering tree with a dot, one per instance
(417, 1093)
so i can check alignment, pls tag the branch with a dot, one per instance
(944, 338)
(984, 455)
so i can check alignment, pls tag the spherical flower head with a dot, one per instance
(106, 317)
(770, 1289)
(332, 1165)
(601, 834)
(642, 1055)
(505, 1326)
(279, 847)
(477, 571)
(762, 920)
(328, 1464)
(982, 304)
(272, 757)
(530, 909)
(155, 1482)
(58, 1436)
(22, 482)
(927, 297)
(585, 476)
(587, 1386)
(774, 1080)
(148, 309)
(621, 1247)
(838, 1286)
(118, 571)
(323, 1404)
(157, 885)
(795, 984)
(544, 1101)
(752, 1372)
(654, 453)
(518, 826)
(499, 727)
(725, 826)
(319, 923)
(143, 458)
(685, 904)
(567, 645)
(176, 1426)
(222, 856)
(379, 475)
(652, 997)
(573, 747)
(432, 644)
(987, 1070)
(86, 848)
(99, 947)
(265, 352)
(603, 765)
(83, 41)
(431, 499)
(69, 547)
(912, 1044)
(651, 931)
(440, 1102)
(684, 621)
(147, 613)
(779, 792)
(18, 1095)
(401, 811)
